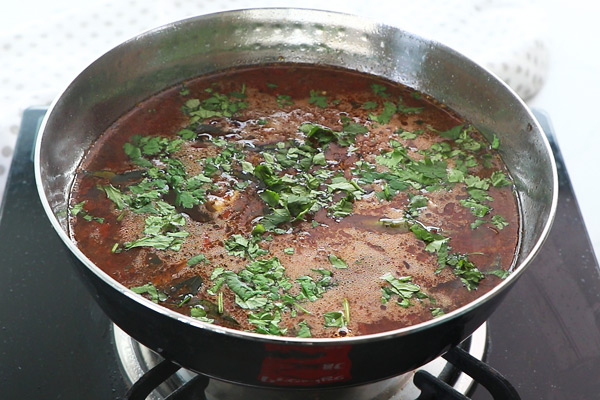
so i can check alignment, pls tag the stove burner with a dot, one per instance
(137, 360)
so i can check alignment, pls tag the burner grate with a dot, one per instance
(448, 377)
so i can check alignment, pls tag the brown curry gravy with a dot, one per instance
(369, 248)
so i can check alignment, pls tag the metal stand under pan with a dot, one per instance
(138, 361)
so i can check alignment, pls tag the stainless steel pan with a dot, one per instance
(170, 54)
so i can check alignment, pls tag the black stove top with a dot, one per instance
(55, 342)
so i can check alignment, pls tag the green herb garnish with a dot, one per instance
(151, 290)
(337, 262)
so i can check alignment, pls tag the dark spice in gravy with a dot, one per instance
(297, 200)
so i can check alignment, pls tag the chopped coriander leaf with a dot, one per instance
(464, 269)
(369, 105)
(499, 179)
(401, 287)
(217, 105)
(265, 173)
(253, 303)
(337, 262)
(334, 319)
(267, 323)
(436, 312)
(323, 135)
(217, 272)
(455, 175)
(303, 330)
(88, 218)
(192, 103)
(270, 197)
(417, 202)
(200, 313)
(476, 182)
(352, 127)
(284, 100)
(500, 273)
(430, 238)
(187, 134)
(164, 224)
(476, 208)
(313, 289)
(317, 98)
(185, 299)
(309, 289)
(319, 159)
(389, 109)
(239, 287)
(477, 223)
(407, 135)
(197, 259)
(151, 290)
(218, 141)
(238, 245)
(323, 272)
(340, 183)
(189, 199)
(394, 159)
(150, 146)
(467, 142)
(160, 242)
(499, 222)
(452, 133)
(264, 287)
(298, 206)
(277, 217)
(479, 195)
(116, 196)
(386, 193)
(379, 90)
(431, 169)
(77, 208)
(495, 142)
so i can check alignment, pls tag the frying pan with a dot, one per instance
(165, 56)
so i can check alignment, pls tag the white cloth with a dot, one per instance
(44, 45)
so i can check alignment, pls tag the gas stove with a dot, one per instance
(55, 342)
